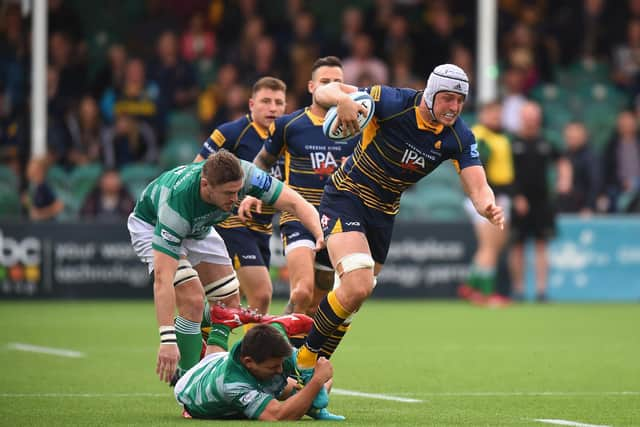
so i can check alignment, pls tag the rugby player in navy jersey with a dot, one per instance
(410, 134)
(310, 158)
(248, 243)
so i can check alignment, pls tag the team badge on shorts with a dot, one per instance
(324, 221)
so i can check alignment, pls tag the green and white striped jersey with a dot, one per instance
(221, 387)
(172, 203)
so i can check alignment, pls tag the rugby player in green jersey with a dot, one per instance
(256, 379)
(171, 231)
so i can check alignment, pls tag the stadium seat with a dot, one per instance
(443, 175)
(10, 206)
(207, 71)
(74, 186)
(600, 120)
(588, 71)
(8, 178)
(549, 93)
(136, 177)
(84, 178)
(178, 152)
(183, 125)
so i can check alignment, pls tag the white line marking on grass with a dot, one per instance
(88, 395)
(568, 423)
(373, 396)
(45, 350)
(528, 393)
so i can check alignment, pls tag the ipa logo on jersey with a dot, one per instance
(323, 163)
(412, 160)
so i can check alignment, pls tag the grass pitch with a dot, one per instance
(403, 363)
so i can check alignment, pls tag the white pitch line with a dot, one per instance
(568, 423)
(85, 395)
(45, 350)
(529, 393)
(373, 396)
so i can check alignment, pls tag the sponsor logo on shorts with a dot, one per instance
(249, 256)
(353, 223)
(324, 221)
(292, 235)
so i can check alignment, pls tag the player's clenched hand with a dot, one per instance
(168, 356)
(495, 215)
(323, 370)
(347, 114)
(244, 210)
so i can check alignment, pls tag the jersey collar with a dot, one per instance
(424, 125)
(316, 120)
(262, 133)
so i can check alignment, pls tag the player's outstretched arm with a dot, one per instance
(296, 406)
(165, 302)
(331, 94)
(474, 182)
(292, 202)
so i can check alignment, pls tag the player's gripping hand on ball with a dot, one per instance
(348, 111)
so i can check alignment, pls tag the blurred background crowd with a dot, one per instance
(134, 87)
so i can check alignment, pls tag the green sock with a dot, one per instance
(473, 279)
(486, 280)
(219, 335)
(189, 342)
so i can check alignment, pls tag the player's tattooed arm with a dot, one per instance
(264, 160)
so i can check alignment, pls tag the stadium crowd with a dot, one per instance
(134, 86)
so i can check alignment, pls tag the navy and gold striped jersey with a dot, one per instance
(398, 148)
(309, 156)
(244, 138)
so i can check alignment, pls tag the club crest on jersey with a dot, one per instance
(323, 163)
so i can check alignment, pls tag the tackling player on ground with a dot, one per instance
(257, 379)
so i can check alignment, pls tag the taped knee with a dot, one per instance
(222, 288)
(184, 273)
(356, 261)
(337, 282)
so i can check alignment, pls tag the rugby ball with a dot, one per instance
(338, 133)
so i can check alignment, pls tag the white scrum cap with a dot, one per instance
(445, 78)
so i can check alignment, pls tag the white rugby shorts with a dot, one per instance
(210, 249)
